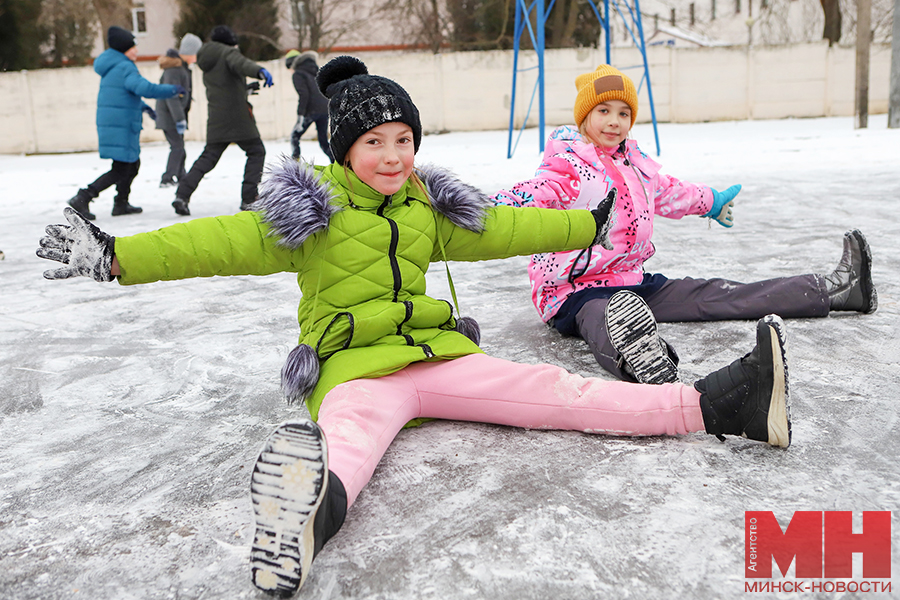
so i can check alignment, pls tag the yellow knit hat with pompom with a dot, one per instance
(605, 83)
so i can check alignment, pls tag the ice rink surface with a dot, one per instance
(130, 417)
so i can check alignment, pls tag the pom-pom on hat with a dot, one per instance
(358, 102)
(223, 34)
(190, 45)
(120, 39)
(605, 83)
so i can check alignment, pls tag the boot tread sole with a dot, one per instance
(289, 482)
(634, 334)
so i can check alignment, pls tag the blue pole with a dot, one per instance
(606, 28)
(541, 17)
(512, 96)
(640, 27)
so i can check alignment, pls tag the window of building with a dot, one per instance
(138, 19)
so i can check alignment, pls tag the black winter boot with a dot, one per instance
(850, 286)
(122, 207)
(750, 396)
(181, 207)
(633, 333)
(299, 505)
(81, 202)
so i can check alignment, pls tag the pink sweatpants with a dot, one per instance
(360, 418)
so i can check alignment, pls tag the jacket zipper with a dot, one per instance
(392, 249)
(634, 169)
(398, 281)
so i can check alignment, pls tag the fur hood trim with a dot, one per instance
(294, 202)
(465, 205)
(297, 203)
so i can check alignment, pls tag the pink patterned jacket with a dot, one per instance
(575, 174)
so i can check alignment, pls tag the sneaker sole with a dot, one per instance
(870, 296)
(288, 484)
(778, 419)
(633, 332)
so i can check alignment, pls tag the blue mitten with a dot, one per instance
(180, 127)
(180, 91)
(268, 78)
(149, 111)
(723, 203)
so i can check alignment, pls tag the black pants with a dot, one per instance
(177, 155)
(681, 300)
(120, 175)
(209, 158)
(303, 123)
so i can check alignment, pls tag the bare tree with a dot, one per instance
(72, 28)
(563, 19)
(113, 12)
(833, 18)
(320, 24)
(418, 22)
(880, 26)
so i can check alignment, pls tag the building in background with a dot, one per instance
(343, 25)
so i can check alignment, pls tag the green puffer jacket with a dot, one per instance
(361, 259)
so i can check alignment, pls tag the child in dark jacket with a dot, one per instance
(119, 108)
(603, 294)
(312, 106)
(172, 113)
(376, 352)
(230, 117)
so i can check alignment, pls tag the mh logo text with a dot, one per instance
(821, 542)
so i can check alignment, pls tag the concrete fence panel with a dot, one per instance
(53, 110)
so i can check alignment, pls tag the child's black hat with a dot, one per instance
(120, 39)
(359, 102)
(224, 35)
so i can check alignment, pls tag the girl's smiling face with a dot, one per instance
(608, 123)
(383, 156)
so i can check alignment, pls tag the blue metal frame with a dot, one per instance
(523, 13)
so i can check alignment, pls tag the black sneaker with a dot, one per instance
(125, 209)
(298, 503)
(82, 205)
(750, 397)
(181, 207)
(850, 285)
(633, 333)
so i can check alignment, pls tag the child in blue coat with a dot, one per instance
(119, 108)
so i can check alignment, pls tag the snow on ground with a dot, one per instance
(130, 417)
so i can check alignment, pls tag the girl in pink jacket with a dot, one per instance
(604, 295)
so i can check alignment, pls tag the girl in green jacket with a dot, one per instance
(376, 353)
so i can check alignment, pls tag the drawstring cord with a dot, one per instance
(440, 237)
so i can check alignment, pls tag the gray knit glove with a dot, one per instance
(81, 245)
